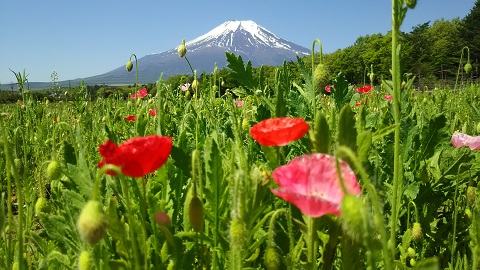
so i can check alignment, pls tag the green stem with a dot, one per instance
(396, 21)
(312, 242)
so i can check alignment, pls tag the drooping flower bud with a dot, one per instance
(84, 261)
(196, 214)
(417, 232)
(92, 222)
(182, 50)
(353, 212)
(129, 66)
(272, 259)
(471, 195)
(53, 170)
(321, 76)
(41, 206)
(467, 68)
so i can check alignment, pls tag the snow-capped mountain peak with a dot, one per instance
(242, 36)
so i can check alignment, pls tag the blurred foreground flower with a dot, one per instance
(137, 156)
(140, 93)
(311, 183)
(460, 139)
(279, 131)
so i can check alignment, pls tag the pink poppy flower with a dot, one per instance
(460, 139)
(185, 87)
(239, 103)
(130, 118)
(140, 93)
(311, 183)
(152, 112)
(387, 97)
(364, 89)
(327, 88)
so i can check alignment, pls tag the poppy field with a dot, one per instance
(288, 175)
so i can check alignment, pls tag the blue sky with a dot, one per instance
(78, 39)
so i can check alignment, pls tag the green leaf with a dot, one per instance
(141, 125)
(433, 135)
(341, 92)
(364, 141)
(181, 160)
(241, 73)
(111, 136)
(427, 264)
(379, 134)
(347, 133)
(69, 154)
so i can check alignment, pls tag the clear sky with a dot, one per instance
(79, 39)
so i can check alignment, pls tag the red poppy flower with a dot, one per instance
(130, 118)
(311, 183)
(388, 97)
(137, 156)
(460, 139)
(55, 119)
(140, 93)
(364, 89)
(152, 112)
(279, 131)
(327, 88)
(357, 104)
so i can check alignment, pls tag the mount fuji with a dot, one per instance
(246, 38)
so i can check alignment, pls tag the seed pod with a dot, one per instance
(92, 222)
(272, 259)
(196, 214)
(84, 261)
(182, 50)
(467, 68)
(129, 66)
(53, 170)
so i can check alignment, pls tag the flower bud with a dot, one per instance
(84, 261)
(412, 262)
(182, 50)
(321, 76)
(411, 3)
(195, 84)
(129, 66)
(92, 222)
(471, 195)
(411, 252)
(163, 219)
(196, 214)
(417, 232)
(353, 212)
(467, 68)
(215, 70)
(41, 206)
(238, 233)
(215, 88)
(272, 259)
(53, 170)
(245, 124)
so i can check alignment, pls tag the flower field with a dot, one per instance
(311, 175)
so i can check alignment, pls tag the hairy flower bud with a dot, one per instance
(196, 214)
(272, 259)
(92, 222)
(41, 206)
(353, 212)
(53, 170)
(195, 84)
(84, 261)
(417, 232)
(129, 66)
(182, 50)
(471, 195)
(467, 68)
(238, 232)
(321, 76)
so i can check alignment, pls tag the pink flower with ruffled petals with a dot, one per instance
(310, 182)
(140, 93)
(387, 97)
(460, 139)
(239, 103)
(327, 89)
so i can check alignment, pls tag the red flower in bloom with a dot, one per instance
(388, 97)
(279, 131)
(55, 119)
(130, 118)
(357, 104)
(365, 89)
(152, 112)
(140, 93)
(310, 182)
(327, 88)
(137, 156)
(460, 139)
